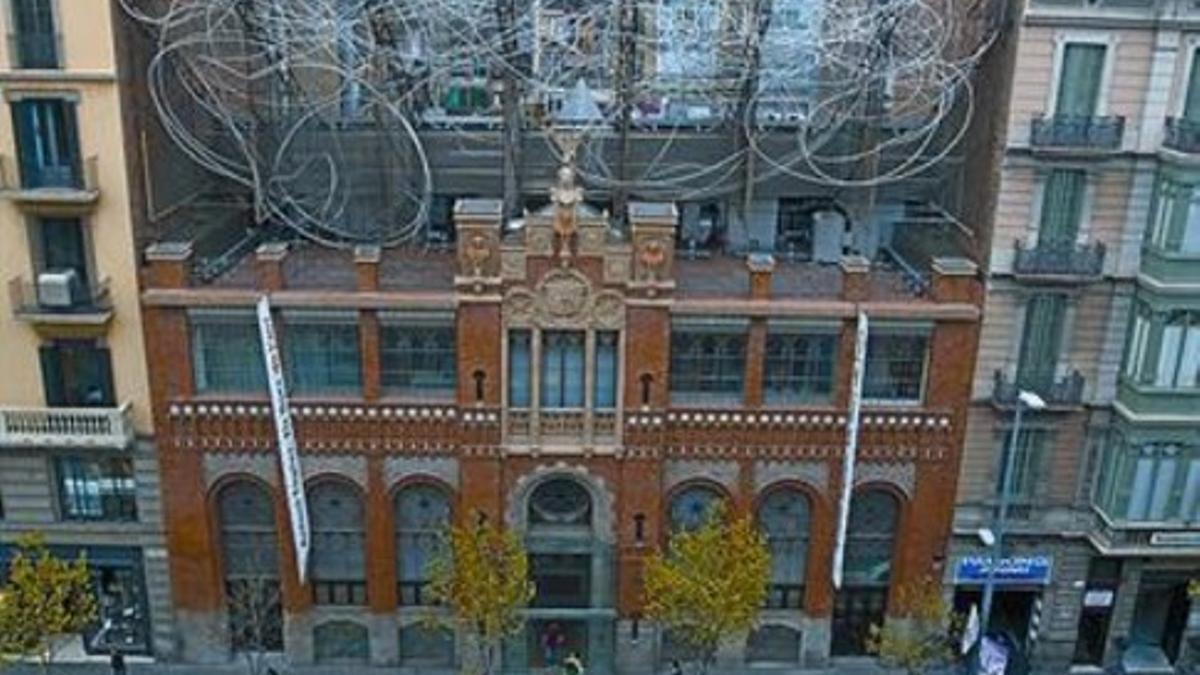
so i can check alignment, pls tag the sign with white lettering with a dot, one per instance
(1188, 538)
(289, 455)
(1099, 597)
(856, 387)
(1012, 571)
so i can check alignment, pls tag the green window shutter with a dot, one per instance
(1041, 341)
(1079, 81)
(1062, 206)
(1191, 106)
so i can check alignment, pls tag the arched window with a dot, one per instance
(561, 502)
(871, 538)
(783, 516)
(250, 559)
(338, 543)
(422, 518)
(692, 506)
(773, 644)
(341, 642)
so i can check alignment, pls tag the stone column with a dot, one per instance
(268, 266)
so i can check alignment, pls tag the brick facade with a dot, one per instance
(633, 460)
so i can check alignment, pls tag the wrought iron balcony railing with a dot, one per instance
(1182, 135)
(1059, 259)
(1077, 132)
(1065, 392)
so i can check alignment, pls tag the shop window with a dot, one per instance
(423, 646)
(799, 367)
(1099, 599)
(895, 366)
(708, 365)
(693, 506)
(96, 488)
(772, 644)
(250, 563)
(418, 361)
(341, 642)
(227, 353)
(322, 355)
(561, 580)
(422, 519)
(783, 516)
(338, 544)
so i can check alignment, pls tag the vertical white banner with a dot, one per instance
(851, 454)
(289, 456)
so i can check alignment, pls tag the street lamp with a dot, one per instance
(994, 538)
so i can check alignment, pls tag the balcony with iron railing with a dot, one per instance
(35, 50)
(69, 186)
(76, 303)
(1182, 135)
(66, 427)
(1061, 261)
(1077, 133)
(1061, 393)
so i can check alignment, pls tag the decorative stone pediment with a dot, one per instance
(565, 298)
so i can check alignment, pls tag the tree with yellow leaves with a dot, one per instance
(710, 585)
(483, 577)
(43, 601)
(922, 635)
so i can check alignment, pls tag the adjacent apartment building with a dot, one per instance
(593, 361)
(77, 461)
(1091, 303)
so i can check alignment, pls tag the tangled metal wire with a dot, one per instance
(321, 108)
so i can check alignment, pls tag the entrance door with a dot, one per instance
(1159, 618)
(855, 610)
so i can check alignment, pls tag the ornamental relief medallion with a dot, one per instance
(564, 299)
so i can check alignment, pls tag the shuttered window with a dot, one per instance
(1062, 207)
(1080, 80)
(1041, 341)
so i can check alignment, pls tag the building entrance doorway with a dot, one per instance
(1159, 619)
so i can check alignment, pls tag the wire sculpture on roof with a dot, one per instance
(320, 108)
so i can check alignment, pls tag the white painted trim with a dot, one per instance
(1108, 40)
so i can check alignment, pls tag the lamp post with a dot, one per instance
(995, 542)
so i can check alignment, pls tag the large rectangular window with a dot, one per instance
(799, 367)
(520, 368)
(562, 369)
(77, 373)
(1031, 449)
(417, 358)
(1041, 341)
(47, 143)
(227, 353)
(1150, 481)
(896, 365)
(1062, 207)
(1175, 218)
(1080, 80)
(96, 488)
(36, 41)
(604, 384)
(323, 354)
(708, 363)
(1163, 349)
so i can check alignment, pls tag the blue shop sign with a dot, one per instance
(1017, 570)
